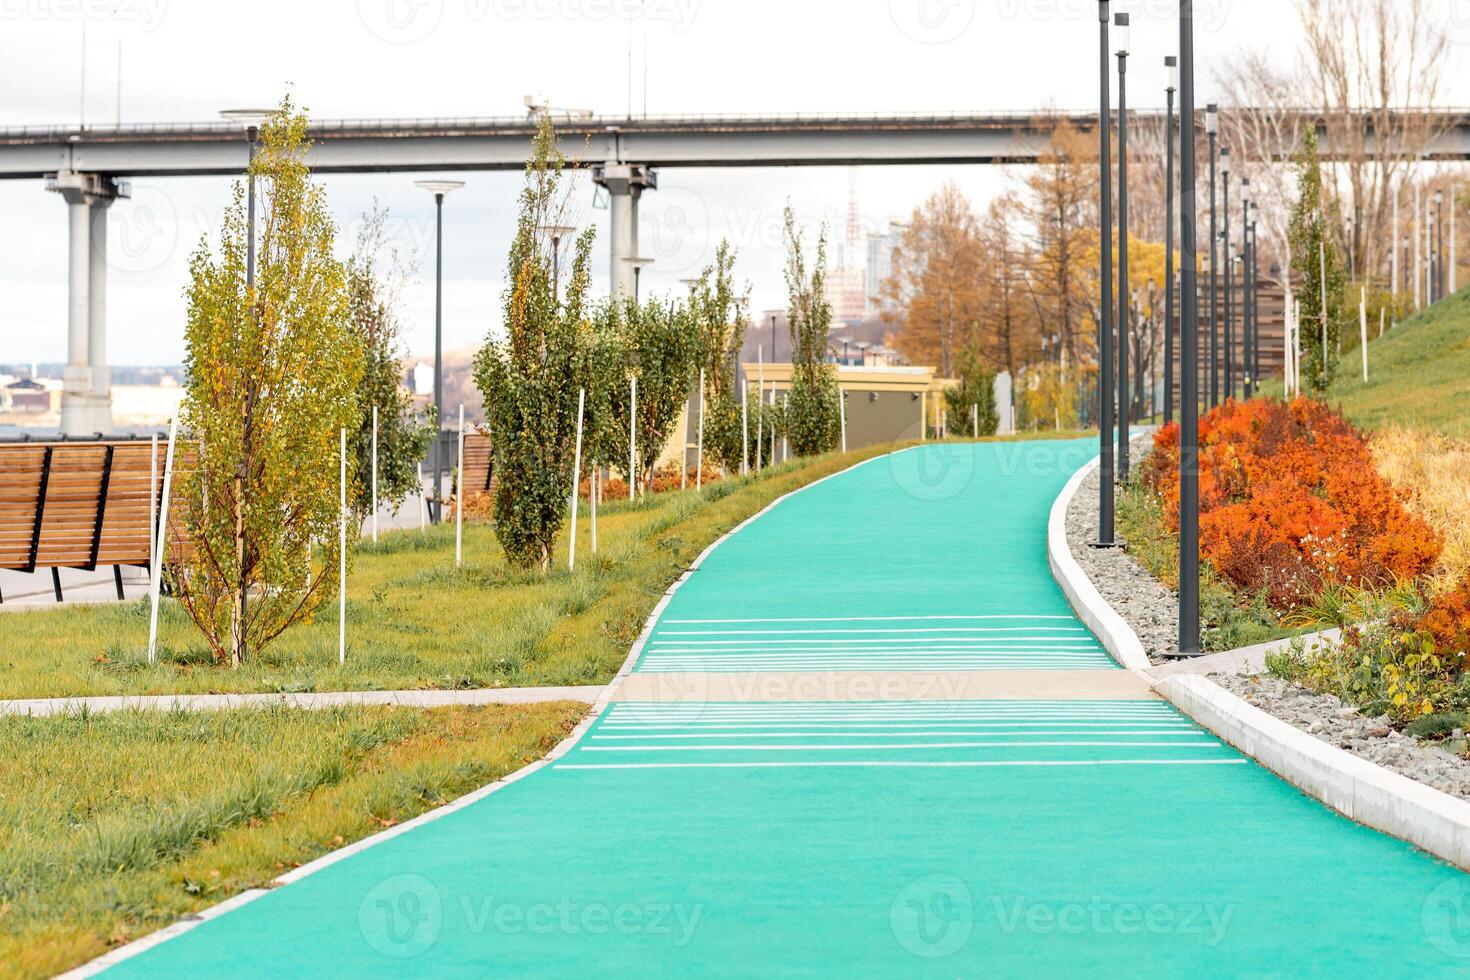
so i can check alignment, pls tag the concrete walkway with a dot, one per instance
(40, 707)
(1244, 660)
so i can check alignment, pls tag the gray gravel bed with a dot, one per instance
(1144, 602)
(1340, 724)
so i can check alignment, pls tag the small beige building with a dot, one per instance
(883, 404)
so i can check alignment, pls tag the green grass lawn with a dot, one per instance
(116, 825)
(1418, 373)
(413, 620)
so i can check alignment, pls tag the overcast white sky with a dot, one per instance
(187, 59)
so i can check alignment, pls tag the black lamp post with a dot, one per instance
(1212, 129)
(1246, 284)
(1105, 325)
(1189, 342)
(1228, 302)
(438, 188)
(1171, 63)
(1254, 333)
(1125, 320)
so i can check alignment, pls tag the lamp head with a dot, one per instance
(1212, 119)
(439, 187)
(1172, 63)
(1225, 160)
(1102, 10)
(1120, 21)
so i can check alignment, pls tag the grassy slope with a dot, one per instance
(117, 825)
(413, 620)
(1418, 373)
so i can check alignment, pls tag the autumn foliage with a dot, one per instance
(1290, 502)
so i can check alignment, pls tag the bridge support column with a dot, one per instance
(625, 183)
(86, 392)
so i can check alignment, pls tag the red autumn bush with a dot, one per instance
(1447, 621)
(1290, 502)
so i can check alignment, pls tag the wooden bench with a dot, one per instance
(80, 505)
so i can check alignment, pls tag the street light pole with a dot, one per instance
(1212, 129)
(1255, 329)
(1125, 400)
(1105, 325)
(438, 188)
(1188, 337)
(1229, 302)
(1171, 63)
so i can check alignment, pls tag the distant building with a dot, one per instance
(880, 261)
(26, 396)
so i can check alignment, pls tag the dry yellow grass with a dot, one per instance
(1433, 472)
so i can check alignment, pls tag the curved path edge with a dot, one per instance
(144, 943)
(1112, 629)
(1358, 789)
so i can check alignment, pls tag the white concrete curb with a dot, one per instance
(1353, 786)
(1116, 635)
(140, 945)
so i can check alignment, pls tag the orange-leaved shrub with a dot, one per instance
(1447, 622)
(1290, 502)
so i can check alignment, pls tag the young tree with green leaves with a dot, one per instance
(1313, 254)
(273, 373)
(721, 316)
(659, 341)
(530, 377)
(373, 289)
(976, 389)
(811, 416)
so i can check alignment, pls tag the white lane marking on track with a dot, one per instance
(876, 763)
(1076, 642)
(896, 629)
(1003, 733)
(1194, 743)
(869, 619)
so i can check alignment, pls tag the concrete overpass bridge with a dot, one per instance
(89, 168)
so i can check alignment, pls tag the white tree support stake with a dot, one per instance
(744, 430)
(423, 506)
(923, 416)
(375, 474)
(594, 490)
(152, 499)
(633, 438)
(699, 444)
(760, 400)
(975, 420)
(576, 478)
(842, 415)
(684, 449)
(1363, 328)
(459, 497)
(342, 555)
(155, 570)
